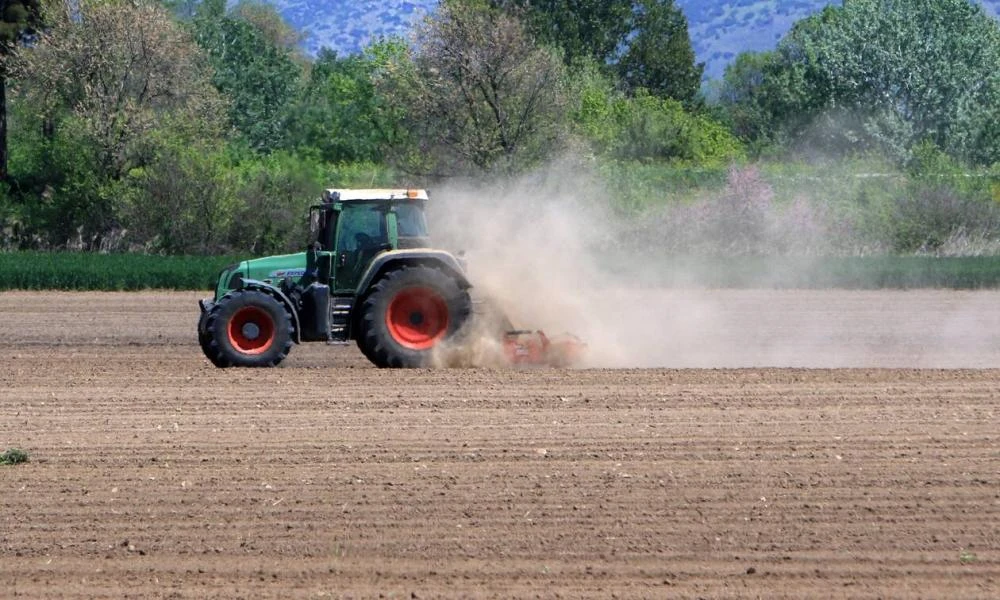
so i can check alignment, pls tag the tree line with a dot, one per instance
(186, 126)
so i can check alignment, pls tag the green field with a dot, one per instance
(107, 272)
(868, 272)
(111, 272)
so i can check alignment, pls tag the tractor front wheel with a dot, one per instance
(246, 328)
(408, 313)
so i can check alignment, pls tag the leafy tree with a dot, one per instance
(479, 95)
(888, 74)
(340, 115)
(183, 9)
(581, 28)
(18, 19)
(645, 42)
(268, 21)
(119, 66)
(646, 128)
(106, 78)
(253, 69)
(659, 58)
(760, 97)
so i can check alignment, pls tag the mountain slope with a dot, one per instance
(720, 29)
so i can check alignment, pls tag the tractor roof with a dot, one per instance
(344, 195)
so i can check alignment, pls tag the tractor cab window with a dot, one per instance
(410, 220)
(361, 228)
(411, 226)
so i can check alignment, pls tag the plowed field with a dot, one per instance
(154, 475)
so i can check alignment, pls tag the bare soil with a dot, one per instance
(154, 475)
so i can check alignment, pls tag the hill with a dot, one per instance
(720, 29)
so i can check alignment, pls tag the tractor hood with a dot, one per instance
(273, 269)
(269, 269)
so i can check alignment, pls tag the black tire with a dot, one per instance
(408, 313)
(205, 339)
(247, 328)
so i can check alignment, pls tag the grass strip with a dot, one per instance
(867, 272)
(107, 272)
(121, 272)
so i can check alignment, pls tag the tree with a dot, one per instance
(108, 77)
(761, 98)
(659, 57)
(646, 128)
(581, 28)
(18, 19)
(340, 115)
(266, 19)
(480, 95)
(889, 74)
(644, 42)
(119, 67)
(253, 68)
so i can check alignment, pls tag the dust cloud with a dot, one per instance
(539, 247)
(550, 251)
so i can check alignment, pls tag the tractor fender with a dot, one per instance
(260, 286)
(395, 258)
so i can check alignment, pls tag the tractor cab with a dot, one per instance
(350, 227)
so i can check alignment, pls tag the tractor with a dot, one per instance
(368, 274)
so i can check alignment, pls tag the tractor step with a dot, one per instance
(340, 318)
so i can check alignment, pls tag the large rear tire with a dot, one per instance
(246, 328)
(408, 314)
(205, 341)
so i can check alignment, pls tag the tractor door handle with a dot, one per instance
(342, 259)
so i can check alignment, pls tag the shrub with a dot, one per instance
(13, 456)
(647, 128)
(273, 193)
(926, 218)
(181, 202)
(742, 219)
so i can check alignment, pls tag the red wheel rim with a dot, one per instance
(251, 330)
(417, 318)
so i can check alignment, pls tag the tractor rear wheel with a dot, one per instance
(247, 328)
(205, 341)
(408, 313)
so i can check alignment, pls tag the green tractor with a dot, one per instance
(367, 275)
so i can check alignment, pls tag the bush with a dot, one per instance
(647, 128)
(926, 218)
(182, 202)
(13, 456)
(741, 219)
(273, 193)
(854, 207)
(638, 186)
(61, 198)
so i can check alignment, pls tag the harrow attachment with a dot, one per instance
(527, 347)
(520, 346)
